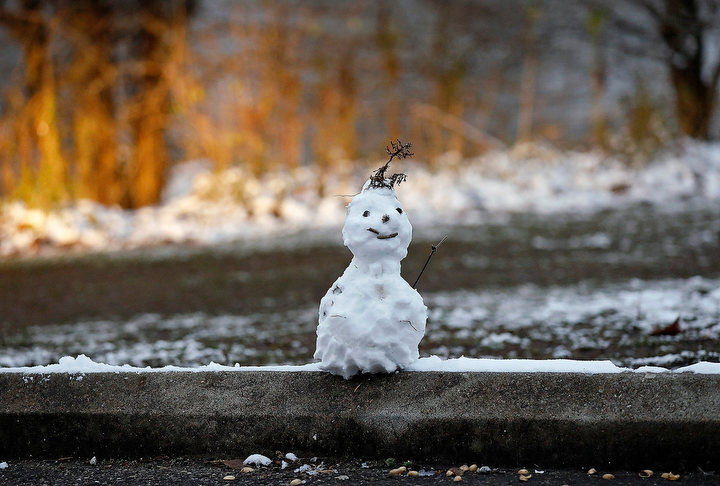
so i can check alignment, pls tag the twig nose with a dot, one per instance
(386, 218)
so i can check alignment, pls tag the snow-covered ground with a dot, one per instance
(610, 321)
(202, 207)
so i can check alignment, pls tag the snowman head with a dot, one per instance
(376, 226)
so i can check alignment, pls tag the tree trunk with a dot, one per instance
(149, 160)
(94, 124)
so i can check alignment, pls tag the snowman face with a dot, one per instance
(376, 226)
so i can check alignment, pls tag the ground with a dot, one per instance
(583, 286)
(208, 471)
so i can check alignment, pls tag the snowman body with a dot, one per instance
(371, 320)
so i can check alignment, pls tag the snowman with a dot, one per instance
(371, 320)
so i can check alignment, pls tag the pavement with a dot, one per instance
(319, 471)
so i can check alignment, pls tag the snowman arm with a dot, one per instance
(433, 249)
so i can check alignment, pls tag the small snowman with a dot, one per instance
(371, 320)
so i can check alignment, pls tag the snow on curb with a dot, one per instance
(83, 364)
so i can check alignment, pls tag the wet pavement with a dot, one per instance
(321, 471)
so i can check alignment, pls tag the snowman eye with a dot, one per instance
(366, 214)
(399, 210)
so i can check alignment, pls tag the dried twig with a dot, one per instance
(399, 150)
(433, 249)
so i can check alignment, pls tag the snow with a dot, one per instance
(202, 207)
(84, 365)
(3, 465)
(258, 460)
(291, 457)
(371, 320)
(93, 461)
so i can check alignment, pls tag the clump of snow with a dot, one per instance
(371, 320)
(291, 457)
(3, 465)
(257, 460)
(83, 364)
(205, 207)
(93, 460)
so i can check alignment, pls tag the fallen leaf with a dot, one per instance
(524, 478)
(645, 473)
(669, 330)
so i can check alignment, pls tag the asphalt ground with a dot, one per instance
(323, 471)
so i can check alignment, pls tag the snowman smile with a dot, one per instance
(382, 237)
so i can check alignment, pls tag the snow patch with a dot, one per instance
(202, 207)
(257, 460)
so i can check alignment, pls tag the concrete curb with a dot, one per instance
(553, 419)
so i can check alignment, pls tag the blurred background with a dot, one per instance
(173, 174)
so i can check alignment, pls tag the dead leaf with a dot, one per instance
(645, 473)
(669, 330)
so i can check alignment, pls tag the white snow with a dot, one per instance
(291, 457)
(93, 460)
(3, 465)
(371, 320)
(257, 460)
(202, 207)
(83, 364)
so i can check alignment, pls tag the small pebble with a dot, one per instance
(464, 467)
(592, 470)
(449, 473)
(413, 474)
(295, 482)
(473, 468)
(457, 478)
(608, 476)
(524, 472)
(485, 470)
(343, 478)
(524, 477)
(398, 471)
(93, 461)
(229, 478)
(247, 469)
